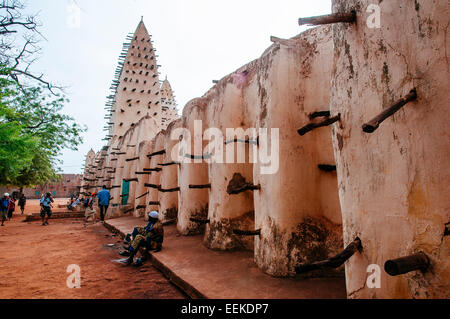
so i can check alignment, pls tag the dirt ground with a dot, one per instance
(34, 261)
(33, 206)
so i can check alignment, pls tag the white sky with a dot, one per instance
(197, 41)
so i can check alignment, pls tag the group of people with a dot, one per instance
(74, 202)
(150, 237)
(104, 197)
(8, 206)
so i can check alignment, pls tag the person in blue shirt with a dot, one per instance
(46, 211)
(103, 202)
(4, 204)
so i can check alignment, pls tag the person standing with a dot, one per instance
(46, 205)
(22, 202)
(90, 211)
(11, 207)
(103, 202)
(4, 203)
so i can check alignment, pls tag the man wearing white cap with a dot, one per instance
(151, 235)
(4, 204)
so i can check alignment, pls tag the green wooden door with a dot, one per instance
(125, 192)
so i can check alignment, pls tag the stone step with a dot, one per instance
(56, 215)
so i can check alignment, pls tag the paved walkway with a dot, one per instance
(204, 273)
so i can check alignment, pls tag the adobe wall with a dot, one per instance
(394, 183)
(144, 148)
(154, 194)
(192, 203)
(297, 208)
(169, 175)
(226, 109)
(129, 164)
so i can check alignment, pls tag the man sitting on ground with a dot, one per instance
(150, 236)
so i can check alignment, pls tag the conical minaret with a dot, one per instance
(169, 107)
(137, 91)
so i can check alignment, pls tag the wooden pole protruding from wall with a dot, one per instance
(170, 190)
(238, 184)
(327, 167)
(200, 221)
(200, 186)
(131, 180)
(347, 17)
(154, 203)
(143, 195)
(199, 157)
(169, 164)
(374, 123)
(132, 159)
(152, 186)
(247, 232)
(162, 152)
(319, 114)
(247, 141)
(157, 169)
(311, 126)
(333, 262)
(403, 265)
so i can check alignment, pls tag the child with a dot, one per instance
(22, 202)
(4, 203)
(90, 211)
(11, 207)
(46, 208)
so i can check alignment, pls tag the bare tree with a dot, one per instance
(19, 43)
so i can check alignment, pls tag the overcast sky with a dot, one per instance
(197, 41)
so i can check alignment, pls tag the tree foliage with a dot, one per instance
(33, 129)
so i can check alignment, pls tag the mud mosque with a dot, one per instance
(363, 144)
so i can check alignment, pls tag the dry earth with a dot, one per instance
(34, 261)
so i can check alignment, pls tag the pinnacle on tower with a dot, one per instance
(133, 95)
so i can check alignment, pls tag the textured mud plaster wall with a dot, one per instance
(144, 148)
(90, 158)
(193, 203)
(129, 170)
(111, 165)
(154, 194)
(299, 222)
(226, 109)
(394, 183)
(117, 161)
(144, 130)
(169, 174)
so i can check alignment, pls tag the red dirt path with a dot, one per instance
(34, 259)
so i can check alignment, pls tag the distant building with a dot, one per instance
(69, 185)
